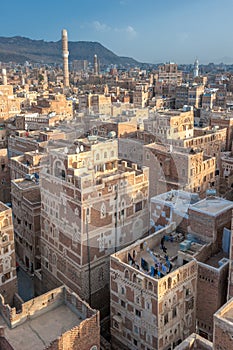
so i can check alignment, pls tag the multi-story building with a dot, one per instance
(3, 137)
(178, 168)
(153, 305)
(9, 104)
(26, 203)
(8, 279)
(36, 121)
(230, 277)
(210, 220)
(223, 327)
(95, 103)
(182, 93)
(179, 264)
(195, 95)
(226, 172)
(23, 142)
(224, 120)
(57, 320)
(92, 204)
(169, 74)
(54, 103)
(140, 96)
(209, 98)
(29, 163)
(5, 185)
(79, 65)
(171, 125)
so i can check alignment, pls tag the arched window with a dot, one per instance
(7, 263)
(150, 286)
(105, 155)
(127, 274)
(54, 259)
(97, 157)
(46, 252)
(59, 170)
(103, 211)
(5, 238)
(5, 222)
(134, 278)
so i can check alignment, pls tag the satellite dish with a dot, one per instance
(81, 148)
(77, 150)
(66, 150)
(37, 151)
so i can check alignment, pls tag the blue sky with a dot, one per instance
(149, 31)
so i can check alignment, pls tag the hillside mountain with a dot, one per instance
(20, 49)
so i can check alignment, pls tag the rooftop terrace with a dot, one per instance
(160, 253)
(37, 333)
(38, 322)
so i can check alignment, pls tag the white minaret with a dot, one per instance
(65, 55)
(96, 65)
(196, 68)
(4, 77)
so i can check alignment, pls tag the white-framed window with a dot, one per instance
(6, 263)
(103, 211)
(101, 242)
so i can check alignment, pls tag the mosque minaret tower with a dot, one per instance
(65, 55)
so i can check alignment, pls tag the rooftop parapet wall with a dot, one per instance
(81, 337)
(121, 269)
(194, 341)
(45, 303)
(31, 308)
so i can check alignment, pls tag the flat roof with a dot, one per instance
(228, 315)
(25, 184)
(179, 200)
(215, 259)
(37, 333)
(212, 206)
(165, 262)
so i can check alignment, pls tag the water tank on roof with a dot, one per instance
(112, 134)
(92, 138)
(211, 192)
(185, 245)
(29, 177)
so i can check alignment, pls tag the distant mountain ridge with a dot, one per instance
(20, 49)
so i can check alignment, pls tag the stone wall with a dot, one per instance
(31, 308)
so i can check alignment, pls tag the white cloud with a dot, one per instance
(129, 31)
(100, 27)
